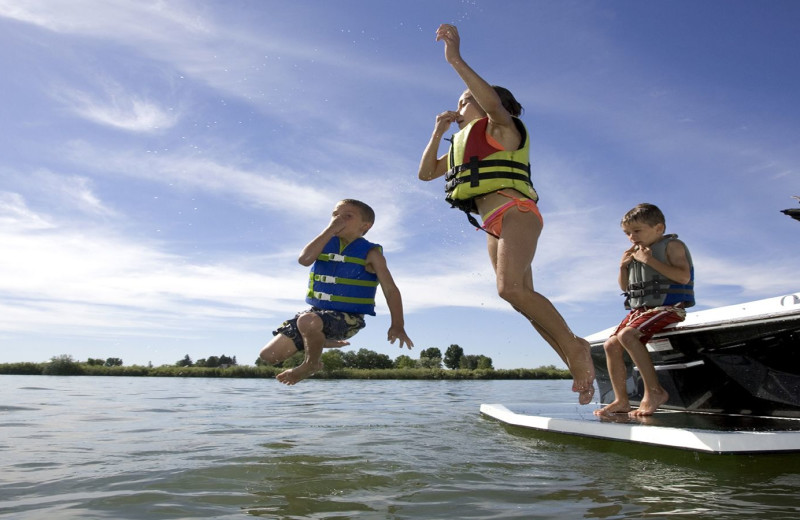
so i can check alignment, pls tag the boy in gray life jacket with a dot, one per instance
(344, 278)
(657, 276)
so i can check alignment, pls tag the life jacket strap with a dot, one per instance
(344, 299)
(333, 257)
(653, 287)
(474, 166)
(324, 278)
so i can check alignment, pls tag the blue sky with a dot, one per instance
(164, 162)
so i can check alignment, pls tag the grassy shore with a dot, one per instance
(82, 369)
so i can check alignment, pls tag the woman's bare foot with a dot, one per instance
(582, 370)
(617, 406)
(650, 403)
(298, 373)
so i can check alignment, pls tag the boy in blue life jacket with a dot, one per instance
(657, 276)
(344, 278)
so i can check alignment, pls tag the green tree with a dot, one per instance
(225, 360)
(113, 362)
(485, 363)
(212, 361)
(62, 365)
(430, 358)
(368, 359)
(185, 362)
(293, 361)
(94, 362)
(403, 361)
(452, 356)
(333, 359)
(468, 362)
(350, 359)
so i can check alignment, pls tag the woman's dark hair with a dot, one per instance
(510, 103)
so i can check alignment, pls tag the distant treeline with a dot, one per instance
(337, 366)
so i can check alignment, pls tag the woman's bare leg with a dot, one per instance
(511, 256)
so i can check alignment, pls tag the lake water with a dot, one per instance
(152, 448)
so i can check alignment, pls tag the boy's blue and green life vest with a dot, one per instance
(339, 280)
(648, 288)
(476, 168)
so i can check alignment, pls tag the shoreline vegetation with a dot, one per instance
(59, 367)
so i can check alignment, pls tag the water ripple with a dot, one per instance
(345, 449)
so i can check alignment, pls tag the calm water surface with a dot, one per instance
(151, 448)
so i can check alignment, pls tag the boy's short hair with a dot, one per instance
(367, 213)
(645, 214)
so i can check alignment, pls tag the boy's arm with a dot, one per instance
(377, 263)
(678, 268)
(312, 250)
(627, 256)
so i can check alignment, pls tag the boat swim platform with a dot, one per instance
(711, 433)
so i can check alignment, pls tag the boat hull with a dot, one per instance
(742, 359)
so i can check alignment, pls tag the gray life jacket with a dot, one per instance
(649, 288)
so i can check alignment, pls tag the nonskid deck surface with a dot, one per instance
(677, 429)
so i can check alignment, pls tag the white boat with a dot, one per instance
(734, 360)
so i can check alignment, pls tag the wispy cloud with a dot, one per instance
(15, 214)
(118, 109)
(147, 19)
(89, 272)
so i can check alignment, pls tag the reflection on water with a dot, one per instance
(92, 447)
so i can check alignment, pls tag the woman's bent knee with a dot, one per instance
(513, 294)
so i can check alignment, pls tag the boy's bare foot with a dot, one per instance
(298, 373)
(582, 370)
(335, 343)
(650, 403)
(616, 406)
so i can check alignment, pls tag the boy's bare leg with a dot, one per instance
(279, 349)
(654, 394)
(511, 257)
(617, 373)
(310, 327)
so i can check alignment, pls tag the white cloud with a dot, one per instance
(145, 19)
(70, 191)
(269, 185)
(97, 279)
(118, 109)
(15, 214)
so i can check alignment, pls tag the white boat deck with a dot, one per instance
(674, 429)
(771, 309)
